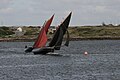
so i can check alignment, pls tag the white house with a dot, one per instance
(19, 32)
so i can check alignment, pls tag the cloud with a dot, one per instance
(35, 12)
(6, 10)
(5, 6)
(4, 3)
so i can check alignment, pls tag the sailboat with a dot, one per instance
(56, 41)
(42, 37)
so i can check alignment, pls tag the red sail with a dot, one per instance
(47, 25)
(42, 37)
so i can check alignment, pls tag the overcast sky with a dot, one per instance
(35, 12)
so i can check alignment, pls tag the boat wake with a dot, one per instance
(54, 54)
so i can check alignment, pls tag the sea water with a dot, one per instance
(102, 62)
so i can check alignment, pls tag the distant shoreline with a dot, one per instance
(77, 33)
(71, 39)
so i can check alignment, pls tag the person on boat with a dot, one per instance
(25, 46)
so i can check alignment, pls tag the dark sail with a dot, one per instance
(58, 36)
(67, 39)
(59, 41)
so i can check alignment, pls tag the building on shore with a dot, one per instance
(19, 32)
(52, 30)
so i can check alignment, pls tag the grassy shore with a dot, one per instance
(76, 33)
(95, 32)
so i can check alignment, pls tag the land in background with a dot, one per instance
(76, 33)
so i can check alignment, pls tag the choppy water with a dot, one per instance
(101, 63)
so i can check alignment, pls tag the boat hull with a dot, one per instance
(29, 49)
(43, 50)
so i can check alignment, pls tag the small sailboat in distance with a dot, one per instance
(42, 37)
(56, 41)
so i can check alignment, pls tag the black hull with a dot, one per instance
(29, 49)
(43, 51)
